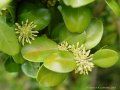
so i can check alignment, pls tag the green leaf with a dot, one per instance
(18, 58)
(77, 3)
(11, 66)
(76, 19)
(39, 15)
(49, 78)
(94, 34)
(61, 62)
(8, 40)
(105, 58)
(61, 33)
(114, 6)
(39, 49)
(30, 69)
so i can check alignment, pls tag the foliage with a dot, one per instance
(47, 47)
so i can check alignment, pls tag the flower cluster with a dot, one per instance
(26, 32)
(81, 55)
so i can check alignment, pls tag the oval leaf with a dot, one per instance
(94, 34)
(77, 3)
(49, 78)
(8, 40)
(61, 33)
(105, 58)
(61, 62)
(76, 19)
(114, 6)
(39, 49)
(30, 69)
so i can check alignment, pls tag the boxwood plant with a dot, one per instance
(48, 39)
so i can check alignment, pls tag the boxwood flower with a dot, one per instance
(82, 56)
(26, 32)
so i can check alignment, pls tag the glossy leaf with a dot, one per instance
(30, 69)
(40, 16)
(105, 58)
(39, 49)
(77, 3)
(61, 62)
(76, 19)
(11, 66)
(94, 34)
(8, 40)
(114, 6)
(49, 78)
(61, 33)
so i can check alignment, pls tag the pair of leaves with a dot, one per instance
(8, 40)
(76, 19)
(44, 76)
(77, 3)
(45, 50)
(90, 38)
(35, 13)
(55, 63)
(61, 33)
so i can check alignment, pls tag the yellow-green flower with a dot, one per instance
(81, 55)
(63, 46)
(83, 60)
(26, 32)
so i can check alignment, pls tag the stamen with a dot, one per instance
(26, 32)
(82, 56)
